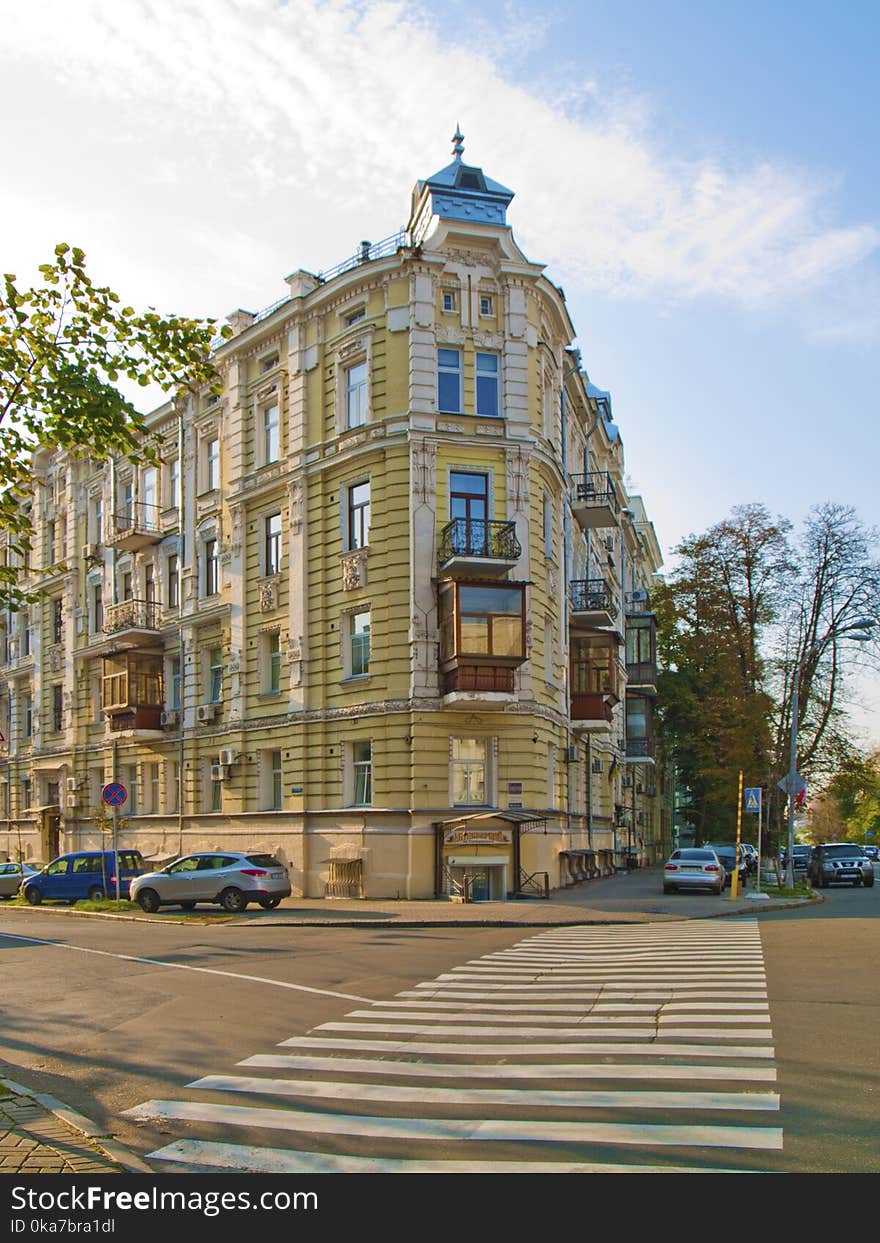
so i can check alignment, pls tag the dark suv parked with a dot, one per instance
(83, 874)
(839, 861)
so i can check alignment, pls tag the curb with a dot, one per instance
(100, 1137)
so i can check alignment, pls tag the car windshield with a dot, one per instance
(843, 852)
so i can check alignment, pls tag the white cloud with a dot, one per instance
(228, 134)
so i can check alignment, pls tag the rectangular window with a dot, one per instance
(359, 515)
(268, 363)
(25, 633)
(126, 503)
(150, 494)
(175, 682)
(174, 483)
(172, 786)
(490, 621)
(548, 650)
(215, 675)
(57, 707)
(356, 395)
(486, 307)
(272, 546)
(152, 778)
(362, 768)
(212, 567)
(50, 543)
(150, 588)
(449, 381)
(487, 385)
(97, 520)
(448, 300)
(216, 792)
(97, 609)
(212, 464)
(271, 434)
(129, 780)
(125, 592)
(355, 316)
(273, 780)
(172, 576)
(468, 772)
(359, 636)
(548, 526)
(57, 620)
(272, 663)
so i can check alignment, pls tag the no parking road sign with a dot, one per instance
(114, 794)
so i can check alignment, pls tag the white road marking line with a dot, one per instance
(494, 1129)
(178, 966)
(649, 1047)
(522, 1098)
(642, 1005)
(427, 1029)
(251, 1160)
(570, 1071)
(622, 1014)
(602, 989)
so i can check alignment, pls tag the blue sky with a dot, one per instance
(700, 178)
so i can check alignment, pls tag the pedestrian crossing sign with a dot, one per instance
(753, 799)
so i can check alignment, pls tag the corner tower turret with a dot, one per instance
(458, 192)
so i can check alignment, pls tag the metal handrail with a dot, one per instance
(131, 615)
(592, 595)
(140, 516)
(368, 251)
(596, 487)
(529, 883)
(479, 537)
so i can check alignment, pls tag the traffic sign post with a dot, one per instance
(114, 795)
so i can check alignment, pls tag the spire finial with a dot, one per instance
(458, 142)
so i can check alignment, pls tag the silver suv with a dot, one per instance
(839, 861)
(227, 877)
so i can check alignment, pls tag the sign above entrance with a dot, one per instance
(477, 837)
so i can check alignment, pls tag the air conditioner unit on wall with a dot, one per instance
(72, 785)
(226, 758)
(170, 718)
(219, 772)
(572, 754)
(609, 543)
(206, 712)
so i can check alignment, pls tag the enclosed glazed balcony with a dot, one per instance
(594, 500)
(132, 692)
(639, 729)
(482, 641)
(136, 526)
(595, 683)
(641, 656)
(593, 602)
(478, 547)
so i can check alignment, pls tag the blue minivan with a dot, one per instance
(84, 874)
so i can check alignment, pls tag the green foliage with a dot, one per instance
(855, 790)
(64, 348)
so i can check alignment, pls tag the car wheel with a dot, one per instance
(188, 906)
(148, 900)
(869, 882)
(96, 893)
(33, 895)
(718, 891)
(268, 904)
(233, 900)
(669, 888)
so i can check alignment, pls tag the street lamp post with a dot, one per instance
(858, 630)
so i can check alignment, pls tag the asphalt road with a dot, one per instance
(107, 1034)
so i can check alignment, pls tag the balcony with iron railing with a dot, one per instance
(132, 618)
(594, 500)
(593, 602)
(640, 750)
(136, 526)
(478, 546)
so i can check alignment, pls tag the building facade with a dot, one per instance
(384, 608)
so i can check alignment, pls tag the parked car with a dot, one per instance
(751, 854)
(227, 877)
(831, 862)
(11, 876)
(873, 852)
(732, 858)
(83, 874)
(693, 868)
(800, 860)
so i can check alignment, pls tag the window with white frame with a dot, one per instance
(468, 764)
(96, 607)
(359, 644)
(358, 507)
(272, 780)
(449, 300)
(268, 362)
(211, 570)
(131, 807)
(151, 789)
(215, 790)
(488, 403)
(172, 786)
(548, 649)
(175, 684)
(487, 305)
(354, 316)
(272, 544)
(548, 525)
(362, 773)
(356, 395)
(172, 581)
(97, 520)
(271, 433)
(449, 381)
(215, 674)
(551, 774)
(174, 484)
(271, 662)
(212, 463)
(150, 494)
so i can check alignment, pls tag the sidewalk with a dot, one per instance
(40, 1135)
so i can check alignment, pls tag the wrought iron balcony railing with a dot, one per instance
(593, 595)
(141, 517)
(479, 537)
(596, 488)
(640, 748)
(132, 615)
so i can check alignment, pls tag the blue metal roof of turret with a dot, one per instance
(464, 192)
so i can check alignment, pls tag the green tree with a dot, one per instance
(65, 347)
(855, 792)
